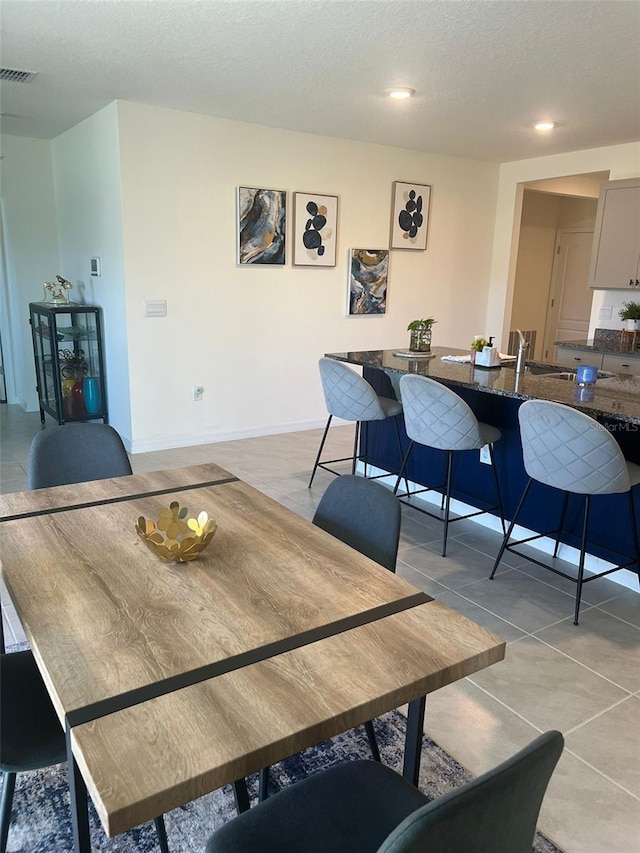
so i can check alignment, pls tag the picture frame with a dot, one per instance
(261, 226)
(409, 215)
(368, 282)
(315, 229)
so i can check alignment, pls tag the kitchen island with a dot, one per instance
(495, 395)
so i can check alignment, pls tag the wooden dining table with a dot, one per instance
(174, 679)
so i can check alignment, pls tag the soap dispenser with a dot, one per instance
(489, 357)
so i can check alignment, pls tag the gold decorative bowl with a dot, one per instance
(174, 537)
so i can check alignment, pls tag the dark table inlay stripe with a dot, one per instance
(119, 499)
(235, 662)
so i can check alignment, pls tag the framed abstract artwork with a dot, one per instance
(315, 228)
(368, 279)
(409, 215)
(262, 225)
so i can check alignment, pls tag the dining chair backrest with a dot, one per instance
(76, 453)
(565, 448)
(436, 416)
(367, 807)
(347, 395)
(362, 514)
(495, 813)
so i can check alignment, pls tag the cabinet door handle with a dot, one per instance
(638, 282)
(576, 358)
(630, 282)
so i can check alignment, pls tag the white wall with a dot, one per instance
(30, 244)
(89, 212)
(621, 161)
(252, 335)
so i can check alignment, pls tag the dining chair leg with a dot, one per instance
(563, 513)
(324, 438)
(241, 795)
(8, 787)
(413, 740)
(79, 802)
(263, 785)
(161, 831)
(373, 743)
(507, 535)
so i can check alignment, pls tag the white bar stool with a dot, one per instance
(568, 450)
(435, 416)
(349, 396)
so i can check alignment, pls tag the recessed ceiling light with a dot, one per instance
(400, 93)
(543, 126)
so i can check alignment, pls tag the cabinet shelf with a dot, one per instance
(69, 362)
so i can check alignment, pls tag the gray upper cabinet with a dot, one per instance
(615, 261)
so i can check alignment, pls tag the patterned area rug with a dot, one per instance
(41, 818)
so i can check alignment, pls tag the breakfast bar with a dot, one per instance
(495, 395)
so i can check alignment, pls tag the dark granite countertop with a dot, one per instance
(606, 341)
(613, 396)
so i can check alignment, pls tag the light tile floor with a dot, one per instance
(582, 680)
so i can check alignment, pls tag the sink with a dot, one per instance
(561, 374)
(544, 370)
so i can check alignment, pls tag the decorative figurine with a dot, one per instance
(56, 291)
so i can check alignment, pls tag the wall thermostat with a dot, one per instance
(96, 266)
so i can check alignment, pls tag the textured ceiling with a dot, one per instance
(483, 71)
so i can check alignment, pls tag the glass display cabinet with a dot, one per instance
(67, 347)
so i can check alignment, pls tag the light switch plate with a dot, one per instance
(155, 307)
(95, 266)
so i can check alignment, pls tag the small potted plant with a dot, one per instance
(420, 334)
(477, 345)
(630, 315)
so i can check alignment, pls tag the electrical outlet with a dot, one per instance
(485, 456)
(198, 393)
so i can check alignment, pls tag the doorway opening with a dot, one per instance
(551, 296)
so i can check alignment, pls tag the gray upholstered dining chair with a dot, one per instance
(568, 450)
(349, 396)
(76, 453)
(367, 807)
(31, 736)
(437, 417)
(363, 514)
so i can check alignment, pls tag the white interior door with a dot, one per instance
(569, 307)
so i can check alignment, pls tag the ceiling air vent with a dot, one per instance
(17, 76)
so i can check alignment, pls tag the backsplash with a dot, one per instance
(606, 337)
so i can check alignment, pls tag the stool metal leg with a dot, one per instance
(447, 502)
(634, 528)
(497, 484)
(402, 469)
(324, 438)
(356, 443)
(565, 503)
(395, 423)
(583, 548)
(507, 535)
